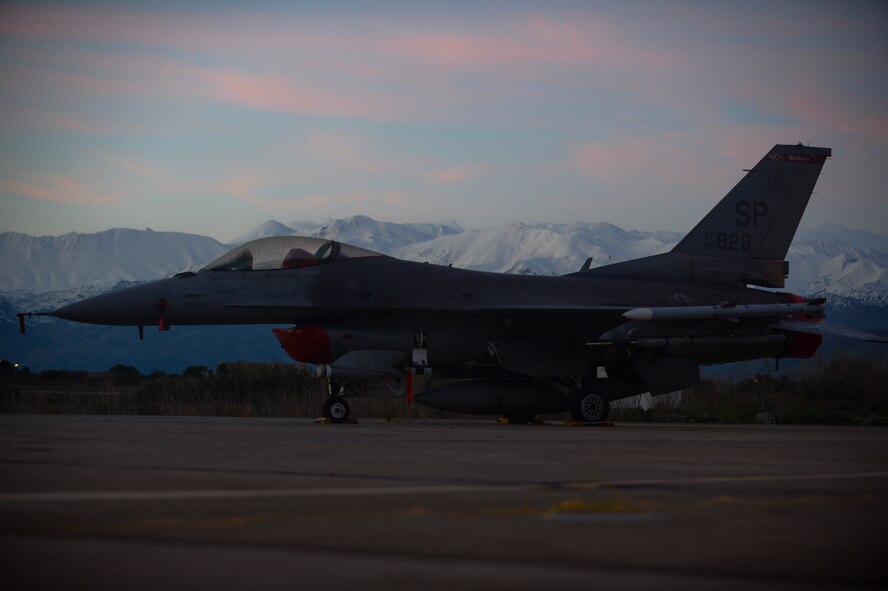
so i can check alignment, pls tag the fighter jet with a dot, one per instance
(515, 345)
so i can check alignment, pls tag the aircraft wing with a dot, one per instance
(555, 310)
(828, 330)
(542, 311)
(604, 317)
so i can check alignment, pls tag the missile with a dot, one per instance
(812, 308)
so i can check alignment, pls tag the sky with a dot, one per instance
(212, 117)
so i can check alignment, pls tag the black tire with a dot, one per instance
(589, 407)
(336, 409)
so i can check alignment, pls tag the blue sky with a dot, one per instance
(211, 118)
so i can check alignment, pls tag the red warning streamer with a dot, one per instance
(161, 307)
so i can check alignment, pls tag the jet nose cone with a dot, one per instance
(140, 305)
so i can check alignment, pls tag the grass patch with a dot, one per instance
(235, 389)
(843, 390)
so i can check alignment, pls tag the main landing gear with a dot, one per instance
(336, 409)
(588, 406)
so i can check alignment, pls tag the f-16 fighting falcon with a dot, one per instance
(516, 345)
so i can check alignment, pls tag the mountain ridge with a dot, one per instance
(72, 260)
(818, 266)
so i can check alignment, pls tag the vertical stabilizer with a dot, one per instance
(758, 218)
(745, 238)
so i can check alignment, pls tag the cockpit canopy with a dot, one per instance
(286, 252)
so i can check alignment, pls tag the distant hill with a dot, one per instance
(829, 267)
(541, 248)
(859, 239)
(103, 259)
(268, 228)
(816, 266)
(384, 237)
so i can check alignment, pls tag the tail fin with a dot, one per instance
(758, 218)
(745, 238)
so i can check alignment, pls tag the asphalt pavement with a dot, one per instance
(229, 503)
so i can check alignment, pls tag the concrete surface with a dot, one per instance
(230, 503)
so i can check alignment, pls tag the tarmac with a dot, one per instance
(117, 502)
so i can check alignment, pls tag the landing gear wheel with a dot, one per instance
(336, 409)
(588, 407)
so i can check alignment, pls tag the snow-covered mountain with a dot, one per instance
(860, 239)
(828, 267)
(383, 237)
(817, 266)
(358, 230)
(48, 272)
(267, 228)
(95, 262)
(101, 260)
(540, 249)
(307, 227)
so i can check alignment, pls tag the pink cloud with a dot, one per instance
(242, 184)
(87, 76)
(643, 163)
(283, 94)
(594, 40)
(25, 118)
(530, 47)
(530, 44)
(247, 32)
(839, 117)
(143, 77)
(456, 174)
(77, 124)
(341, 164)
(180, 30)
(403, 69)
(455, 51)
(353, 152)
(808, 103)
(247, 186)
(272, 187)
(611, 162)
(60, 188)
(301, 71)
(130, 163)
(346, 146)
(394, 197)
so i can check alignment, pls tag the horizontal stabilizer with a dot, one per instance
(812, 308)
(828, 330)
